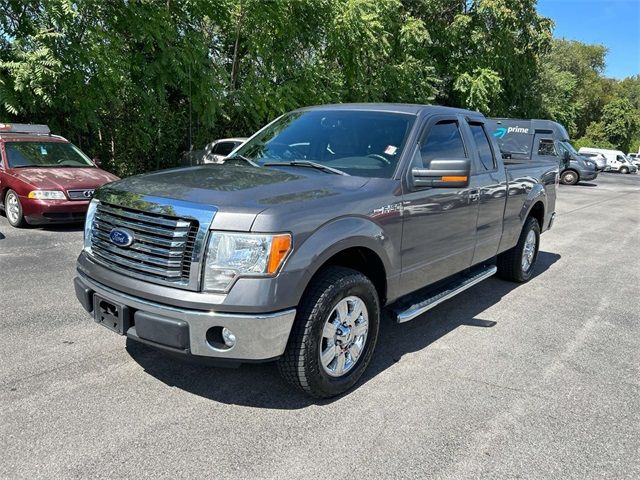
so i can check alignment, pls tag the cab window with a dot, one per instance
(443, 141)
(547, 148)
(485, 153)
(223, 148)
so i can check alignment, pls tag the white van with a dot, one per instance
(616, 160)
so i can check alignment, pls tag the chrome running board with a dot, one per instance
(450, 290)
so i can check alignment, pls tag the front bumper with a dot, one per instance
(51, 211)
(259, 337)
(588, 174)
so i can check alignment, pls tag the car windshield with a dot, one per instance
(45, 155)
(363, 143)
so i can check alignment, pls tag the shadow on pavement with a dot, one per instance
(259, 385)
(59, 227)
(585, 184)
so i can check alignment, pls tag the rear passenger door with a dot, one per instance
(488, 189)
(439, 224)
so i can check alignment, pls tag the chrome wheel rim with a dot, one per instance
(13, 208)
(569, 178)
(344, 336)
(529, 251)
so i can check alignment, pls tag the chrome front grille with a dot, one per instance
(80, 194)
(162, 249)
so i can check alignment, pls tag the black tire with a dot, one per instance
(300, 365)
(624, 170)
(569, 177)
(17, 221)
(510, 262)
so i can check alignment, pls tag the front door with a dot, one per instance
(439, 224)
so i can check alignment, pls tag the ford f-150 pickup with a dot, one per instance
(291, 249)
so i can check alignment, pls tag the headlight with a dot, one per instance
(88, 224)
(47, 195)
(231, 255)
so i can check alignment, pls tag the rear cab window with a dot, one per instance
(485, 152)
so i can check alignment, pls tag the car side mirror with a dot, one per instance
(96, 161)
(443, 173)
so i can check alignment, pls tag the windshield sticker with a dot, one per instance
(390, 150)
(43, 150)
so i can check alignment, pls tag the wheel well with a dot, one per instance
(572, 171)
(365, 261)
(537, 212)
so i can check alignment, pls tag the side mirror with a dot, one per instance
(443, 173)
(96, 161)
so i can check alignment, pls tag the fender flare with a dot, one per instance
(336, 236)
(536, 194)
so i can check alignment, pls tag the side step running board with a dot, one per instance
(445, 293)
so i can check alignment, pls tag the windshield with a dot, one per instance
(363, 143)
(45, 154)
(569, 147)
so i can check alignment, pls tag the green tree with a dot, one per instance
(620, 123)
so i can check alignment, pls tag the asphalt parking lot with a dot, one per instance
(540, 380)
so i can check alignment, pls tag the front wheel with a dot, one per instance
(624, 170)
(334, 334)
(517, 264)
(569, 177)
(13, 209)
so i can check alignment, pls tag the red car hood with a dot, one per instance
(64, 178)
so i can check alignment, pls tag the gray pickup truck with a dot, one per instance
(292, 248)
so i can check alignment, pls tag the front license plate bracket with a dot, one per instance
(112, 315)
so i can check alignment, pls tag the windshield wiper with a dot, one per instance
(307, 163)
(241, 157)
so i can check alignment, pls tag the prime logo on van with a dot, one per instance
(502, 131)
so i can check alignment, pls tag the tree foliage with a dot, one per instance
(138, 82)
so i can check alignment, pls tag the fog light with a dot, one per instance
(228, 337)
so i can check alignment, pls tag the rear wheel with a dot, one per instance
(517, 264)
(334, 334)
(13, 209)
(569, 177)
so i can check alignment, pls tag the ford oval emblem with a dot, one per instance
(121, 237)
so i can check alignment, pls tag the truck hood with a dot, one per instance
(64, 178)
(233, 187)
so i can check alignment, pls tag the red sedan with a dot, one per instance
(44, 178)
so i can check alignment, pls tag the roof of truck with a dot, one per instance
(410, 108)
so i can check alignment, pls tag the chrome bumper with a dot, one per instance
(258, 336)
